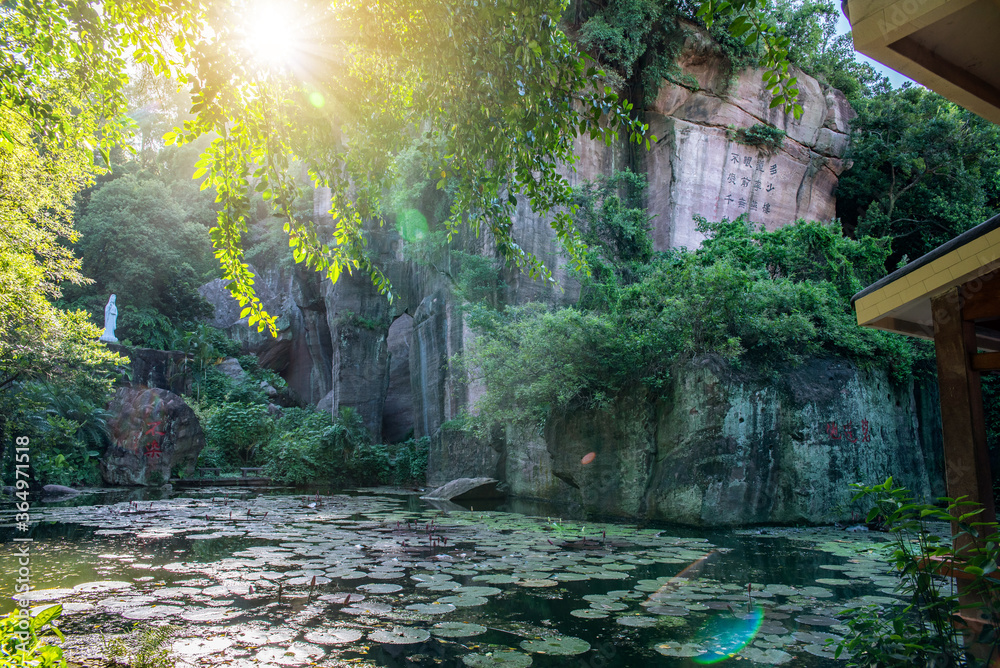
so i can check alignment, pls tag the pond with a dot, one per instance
(255, 579)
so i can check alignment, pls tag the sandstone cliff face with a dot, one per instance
(719, 449)
(698, 168)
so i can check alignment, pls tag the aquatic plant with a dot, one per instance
(144, 647)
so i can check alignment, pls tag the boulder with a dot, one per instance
(154, 433)
(164, 369)
(59, 490)
(466, 489)
(230, 366)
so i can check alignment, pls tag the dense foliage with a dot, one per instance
(160, 259)
(763, 301)
(924, 170)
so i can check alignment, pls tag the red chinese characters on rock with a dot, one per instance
(848, 432)
(153, 450)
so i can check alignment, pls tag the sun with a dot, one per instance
(272, 34)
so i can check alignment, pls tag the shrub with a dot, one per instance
(239, 431)
(761, 300)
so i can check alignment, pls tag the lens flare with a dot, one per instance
(728, 635)
(272, 34)
(412, 225)
(723, 635)
(588, 458)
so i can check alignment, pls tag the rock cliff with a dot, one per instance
(722, 450)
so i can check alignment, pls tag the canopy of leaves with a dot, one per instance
(924, 170)
(37, 183)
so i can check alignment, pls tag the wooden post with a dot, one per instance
(966, 460)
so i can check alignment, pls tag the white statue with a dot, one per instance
(110, 321)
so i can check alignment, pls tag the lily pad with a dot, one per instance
(639, 621)
(380, 588)
(457, 629)
(201, 646)
(589, 613)
(342, 636)
(497, 660)
(556, 645)
(400, 635)
(432, 608)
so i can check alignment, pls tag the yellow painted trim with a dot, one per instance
(946, 272)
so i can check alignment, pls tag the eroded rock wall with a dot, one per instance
(698, 167)
(721, 449)
(741, 452)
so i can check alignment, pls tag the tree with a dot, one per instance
(160, 256)
(924, 171)
(37, 181)
(494, 91)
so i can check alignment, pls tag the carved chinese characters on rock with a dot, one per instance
(147, 439)
(751, 184)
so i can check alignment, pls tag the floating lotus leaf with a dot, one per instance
(94, 587)
(296, 654)
(342, 599)
(201, 646)
(369, 608)
(570, 576)
(400, 635)
(342, 636)
(457, 629)
(589, 613)
(679, 649)
(556, 645)
(817, 592)
(834, 581)
(881, 600)
(773, 657)
(609, 575)
(639, 621)
(308, 580)
(152, 612)
(537, 583)
(497, 660)
(464, 601)
(209, 615)
(667, 611)
(44, 594)
(380, 588)
(432, 608)
(495, 579)
(816, 620)
(609, 606)
(478, 591)
(825, 651)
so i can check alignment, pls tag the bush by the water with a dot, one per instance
(309, 446)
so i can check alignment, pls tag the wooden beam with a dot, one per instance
(966, 459)
(918, 53)
(981, 298)
(986, 362)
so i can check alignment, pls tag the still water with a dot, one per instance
(383, 579)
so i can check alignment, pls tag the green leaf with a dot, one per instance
(46, 616)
